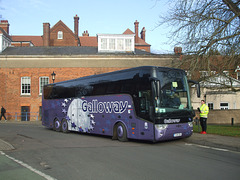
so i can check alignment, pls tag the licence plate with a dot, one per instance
(177, 134)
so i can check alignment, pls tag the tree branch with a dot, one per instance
(233, 7)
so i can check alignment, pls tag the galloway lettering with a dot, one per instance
(104, 107)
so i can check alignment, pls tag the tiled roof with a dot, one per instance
(36, 40)
(67, 50)
(88, 41)
(128, 31)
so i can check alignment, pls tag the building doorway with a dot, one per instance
(25, 113)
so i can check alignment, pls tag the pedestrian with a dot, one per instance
(3, 111)
(204, 110)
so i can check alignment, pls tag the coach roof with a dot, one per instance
(113, 76)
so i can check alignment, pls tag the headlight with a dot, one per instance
(190, 124)
(161, 126)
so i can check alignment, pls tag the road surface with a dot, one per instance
(76, 156)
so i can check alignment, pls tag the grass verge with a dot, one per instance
(224, 130)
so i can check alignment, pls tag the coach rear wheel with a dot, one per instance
(65, 126)
(121, 132)
(57, 125)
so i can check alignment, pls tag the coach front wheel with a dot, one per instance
(121, 132)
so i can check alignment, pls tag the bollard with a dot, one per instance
(232, 121)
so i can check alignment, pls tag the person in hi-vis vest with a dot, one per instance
(204, 110)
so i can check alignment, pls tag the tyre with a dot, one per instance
(64, 126)
(121, 132)
(57, 125)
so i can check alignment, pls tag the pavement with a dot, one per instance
(207, 140)
(5, 146)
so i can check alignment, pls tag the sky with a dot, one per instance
(26, 17)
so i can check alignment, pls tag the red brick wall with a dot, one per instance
(3, 78)
(68, 36)
(68, 39)
(146, 48)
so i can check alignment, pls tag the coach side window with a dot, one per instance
(143, 100)
(113, 88)
(99, 89)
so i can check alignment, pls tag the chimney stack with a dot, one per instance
(143, 33)
(5, 26)
(76, 19)
(46, 34)
(177, 50)
(85, 33)
(136, 31)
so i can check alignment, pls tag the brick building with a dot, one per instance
(30, 61)
(61, 35)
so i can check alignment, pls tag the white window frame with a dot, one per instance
(116, 42)
(42, 82)
(104, 43)
(128, 44)
(5, 42)
(224, 107)
(25, 82)
(112, 44)
(60, 35)
(120, 44)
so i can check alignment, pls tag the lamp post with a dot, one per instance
(53, 76)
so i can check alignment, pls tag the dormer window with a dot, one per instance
(128, 44)
(60, 35)
(120, 44)
(104, 43)
(112, 45)
(115, 42)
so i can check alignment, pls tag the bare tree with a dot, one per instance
(205, 29)
(201, 25)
